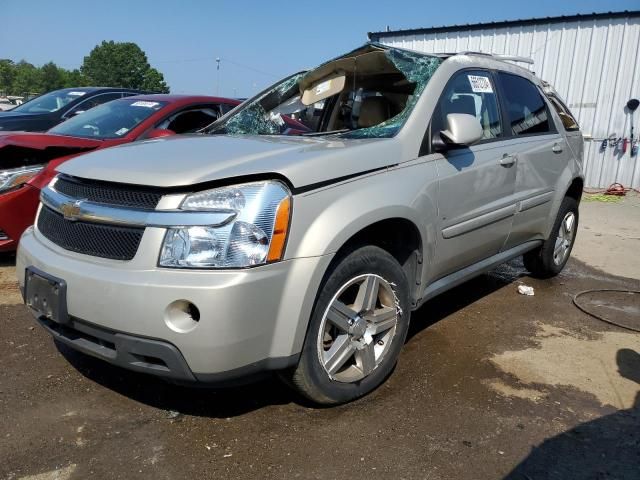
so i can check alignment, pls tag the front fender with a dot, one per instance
(324, 220)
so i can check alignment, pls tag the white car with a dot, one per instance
(5, 104)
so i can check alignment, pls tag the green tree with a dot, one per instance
(74, 78)
(27, 79)
(154, 81)
(24, 78)
(122, 64)
(7, 73)
(52, 77)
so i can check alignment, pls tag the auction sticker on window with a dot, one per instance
(77, 94)
(480, 84)
(141, 103)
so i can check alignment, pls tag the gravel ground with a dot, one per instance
(491, 384)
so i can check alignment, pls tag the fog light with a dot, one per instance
(181, 316)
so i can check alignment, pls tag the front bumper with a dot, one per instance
(128, 351)
(250, 320)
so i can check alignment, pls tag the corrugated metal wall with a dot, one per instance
(592, 63)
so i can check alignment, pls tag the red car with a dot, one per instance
(28, 160)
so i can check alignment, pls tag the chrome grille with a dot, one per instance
(98, 240)
(108, 193)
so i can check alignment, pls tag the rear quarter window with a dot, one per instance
(569, 122)
(526, 109)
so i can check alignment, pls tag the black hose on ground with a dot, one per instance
(598, 317)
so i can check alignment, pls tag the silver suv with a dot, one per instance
(241, 250)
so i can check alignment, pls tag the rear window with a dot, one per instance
(526, 108)
(568, 120)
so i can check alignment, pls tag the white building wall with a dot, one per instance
(593, 64)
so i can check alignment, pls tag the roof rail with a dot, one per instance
(497, 56)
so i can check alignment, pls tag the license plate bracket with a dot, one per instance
(46, 295)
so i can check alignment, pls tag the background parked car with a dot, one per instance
(28, 160)
(41, 113)
(5, 104)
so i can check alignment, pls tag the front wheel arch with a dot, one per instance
(308, 377)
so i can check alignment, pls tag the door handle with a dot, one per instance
(507, 160)
(557, 148)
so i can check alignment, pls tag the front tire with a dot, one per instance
(549, 259)
(357, 328)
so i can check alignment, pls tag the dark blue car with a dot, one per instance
(50, 109)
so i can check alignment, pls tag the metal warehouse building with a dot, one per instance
(592, 60)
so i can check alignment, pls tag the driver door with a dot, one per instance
(476, 184)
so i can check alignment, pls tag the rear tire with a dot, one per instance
(549, 259)
(357, 328)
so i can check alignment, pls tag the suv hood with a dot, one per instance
(189, 160)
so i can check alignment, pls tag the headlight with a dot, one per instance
(256, 235)
(10, 179)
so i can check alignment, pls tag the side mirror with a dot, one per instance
(159, 133)
(462, 129)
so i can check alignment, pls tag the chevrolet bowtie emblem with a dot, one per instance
(71, 210)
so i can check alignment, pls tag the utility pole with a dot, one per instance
(218, 76)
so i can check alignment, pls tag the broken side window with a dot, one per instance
(252, 117)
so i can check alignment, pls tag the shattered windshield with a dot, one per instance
(367, 93)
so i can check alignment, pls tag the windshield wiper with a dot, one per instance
(331, 132)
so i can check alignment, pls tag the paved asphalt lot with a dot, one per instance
(490, 385)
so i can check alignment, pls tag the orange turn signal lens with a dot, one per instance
(279, 237)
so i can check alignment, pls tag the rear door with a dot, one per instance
(541, 155)
(476, 184)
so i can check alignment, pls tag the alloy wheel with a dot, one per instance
(358, 328)
(565, 237)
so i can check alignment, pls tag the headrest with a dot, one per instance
(373, 111)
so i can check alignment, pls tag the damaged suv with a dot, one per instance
(239, 250)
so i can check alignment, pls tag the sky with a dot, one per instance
(257, 42)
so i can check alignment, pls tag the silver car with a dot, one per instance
(242, 250)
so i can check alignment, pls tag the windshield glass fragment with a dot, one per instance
(367, 93)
